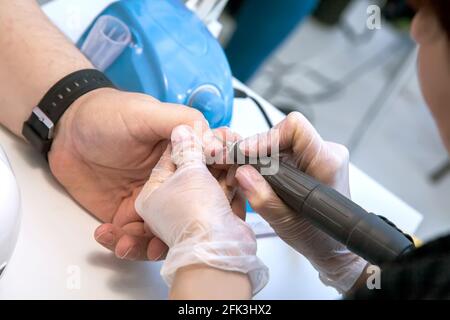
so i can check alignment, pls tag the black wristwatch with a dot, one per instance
(39, 128)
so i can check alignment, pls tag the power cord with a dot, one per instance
(240, 94)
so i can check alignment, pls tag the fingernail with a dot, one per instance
(213, 149)
(242, 146)
(210, 139)
(106, 238)
(246, 180)
(180, 133)
(158, 257)
(130, 254)
(249, 145)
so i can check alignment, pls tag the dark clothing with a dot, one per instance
(421, 274)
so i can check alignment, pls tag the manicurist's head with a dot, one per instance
(431, 31)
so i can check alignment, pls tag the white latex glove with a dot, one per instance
(187, 208)
(301, 145)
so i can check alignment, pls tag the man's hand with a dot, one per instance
(105, 147)
(106, 143)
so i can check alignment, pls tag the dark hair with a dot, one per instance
(440, 7)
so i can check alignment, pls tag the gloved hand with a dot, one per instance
(301, 145)
(185, 206)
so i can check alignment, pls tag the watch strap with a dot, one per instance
(39, 128)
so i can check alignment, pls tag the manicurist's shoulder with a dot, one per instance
(421, 274)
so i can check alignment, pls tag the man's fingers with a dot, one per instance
(162, 118)
(132, 247)
(124, 246)
(216, 153)
(261, 144)
(187, 148)
(231, 176)
(214, 145)
(225, 134)
(137, 229)
(108, 235)
(260, 195)
(228, 190)
(156, 249)
(129, 244)
(238, 205)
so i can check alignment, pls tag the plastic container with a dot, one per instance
(105, 42)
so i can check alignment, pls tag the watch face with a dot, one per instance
(9, 211)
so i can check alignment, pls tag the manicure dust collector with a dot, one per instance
(161, 48)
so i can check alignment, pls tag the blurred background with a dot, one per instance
(355, 82)
(357, 86)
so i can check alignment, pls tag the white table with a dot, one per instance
(57, 257)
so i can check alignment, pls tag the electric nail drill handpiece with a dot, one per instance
(364, 233)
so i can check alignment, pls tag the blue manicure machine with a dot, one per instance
(161, 48)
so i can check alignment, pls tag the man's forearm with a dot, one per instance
(34, 55)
